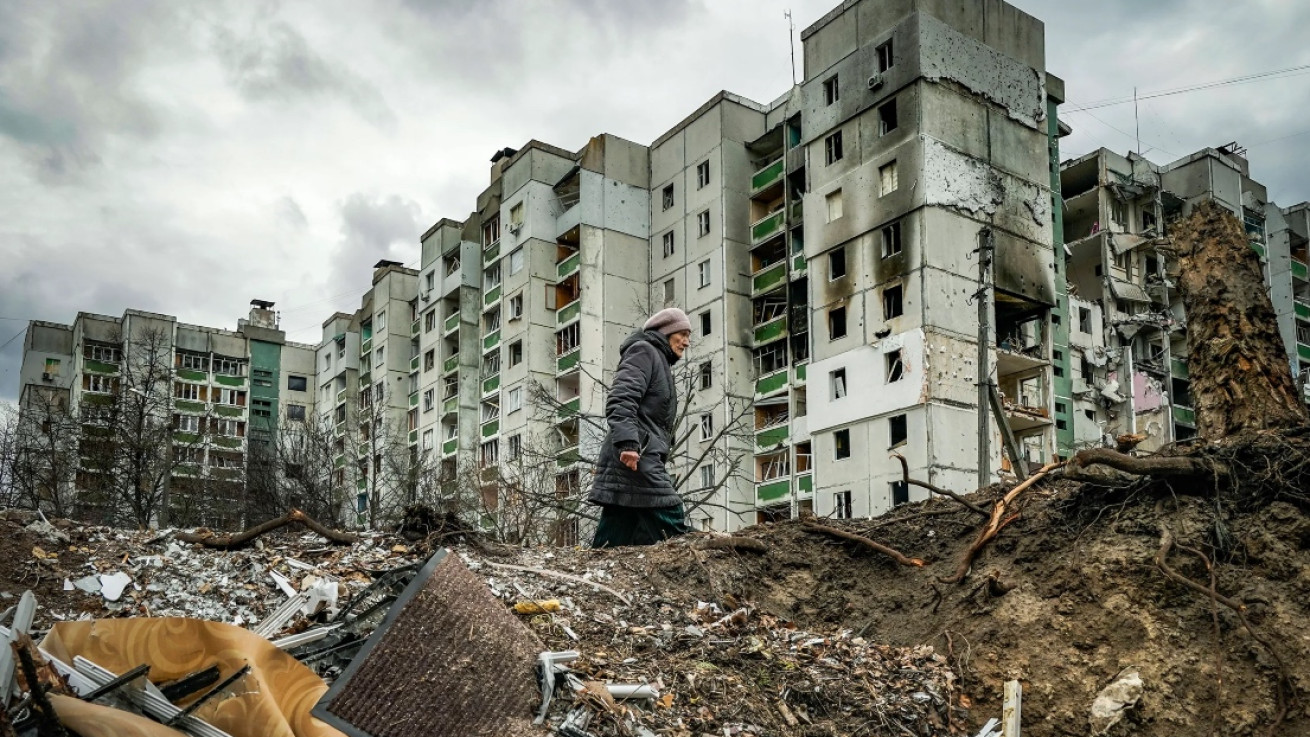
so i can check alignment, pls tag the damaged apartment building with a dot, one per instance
(1127, 332)
(886, 259)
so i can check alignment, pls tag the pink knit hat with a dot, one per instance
(668, 321)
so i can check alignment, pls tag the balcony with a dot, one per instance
(798, 266)
(568, 313)
(226, 380)
(773, 490)
(186, 438)
(771, 437)
(569, 409)
(341, 396)
(227, 442)
(490, 384)
(1259, 249)
(805, 483)
(1299, 269)
(770, 331)
(491, 297)
(450, 405)
(183, 374)
(567, 457)
(365, 378)
(1303, 351)
(798, 373)
(366, 346)
(227, 410)
(1302, 309)
(414, 329)
(1178, 367)
(450, 364)
(568, 266)
(767, 227)
(767, 177)
(1184, 415)
(339, 461)
(189, 406)
(567, 222)
(768, 278)
(451, 324)
(413, 364)
(489, 429)
(491, 253)
(491, 340)
(413, 399)
(226, 474)
(568, 361)
(450, 446)
(771, 383)
(413, 437)
(104, 367)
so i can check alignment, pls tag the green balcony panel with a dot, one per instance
(189, 375)
(451, 322)
(568, 457)
(1299, 269)
(365, 379)
(366, 346)
(769, 278)
(1302, 310)
(450, 364)
(771, 331)
(186, 437)
(1303, 351)
(766, 176)
(796, 213)
(450, 405)
(186, 469)
(568, 265)
(569, 312)
(491, 428)
(1184, 415)
(227, 442)
(491, 253)
(341, 396)
(1178, 367)
(1258, 248)
(800, 370)
(805, 483)
(226, 474)
(771, 437)
(102, 367)
(188, 406)
(226, 380)
(492, 296)
(798, 266)
(227, 410)
(490, 384)
(491, 341)
(413, 399)
(339, 461)
(450, 446)
(361, 484)
(570, 408)
(567, 362)
(414, 328)
(413, 436)
(771, 383)
(773, 490)
(766, 227)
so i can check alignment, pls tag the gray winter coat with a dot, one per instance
(641, 410)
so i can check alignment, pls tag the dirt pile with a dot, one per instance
(801, 633)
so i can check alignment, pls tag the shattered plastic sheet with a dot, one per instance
(272, 700)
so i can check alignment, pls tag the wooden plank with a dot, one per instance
(1011, 713)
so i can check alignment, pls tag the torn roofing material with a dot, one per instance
(449, 659)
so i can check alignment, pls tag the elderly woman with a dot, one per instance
(639, 504)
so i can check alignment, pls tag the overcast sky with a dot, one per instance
(187, 157)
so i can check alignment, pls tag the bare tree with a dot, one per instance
(9, 494)
(294, 470)
(42, 460)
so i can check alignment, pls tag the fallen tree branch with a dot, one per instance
(998, 521)
(243, 539)
(48, 724)
(905, 475)
(894, 554)
(557, 574)
(1149, 466)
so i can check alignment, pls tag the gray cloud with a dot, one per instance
(274, 62)
(373, 228)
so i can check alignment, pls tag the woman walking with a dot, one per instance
(632, 485)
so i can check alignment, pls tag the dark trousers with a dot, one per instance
(621, 526)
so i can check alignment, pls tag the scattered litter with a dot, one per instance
(113, 584)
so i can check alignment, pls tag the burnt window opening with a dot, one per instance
(900, 492)
(832, 148)
(887, 118)
(668, 197)
(836, 323)
(886, 56)
(837, 264)
(891, 239)
(892, 302)
(895, 366)
(837, 380)
(841, 444)
(831, 92)
(897, 430)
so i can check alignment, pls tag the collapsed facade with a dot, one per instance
(888, 258)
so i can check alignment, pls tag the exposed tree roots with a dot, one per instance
(999, 518)
(244, 539)
(736, 542)
(905, 474)
(895, 555)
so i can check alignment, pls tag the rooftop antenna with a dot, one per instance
(791, 38)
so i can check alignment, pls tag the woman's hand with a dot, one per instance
(629, 458)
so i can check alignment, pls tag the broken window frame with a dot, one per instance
(832, 148)
(837, 384)
(841, 504)
(895, 366)
(841, 444)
